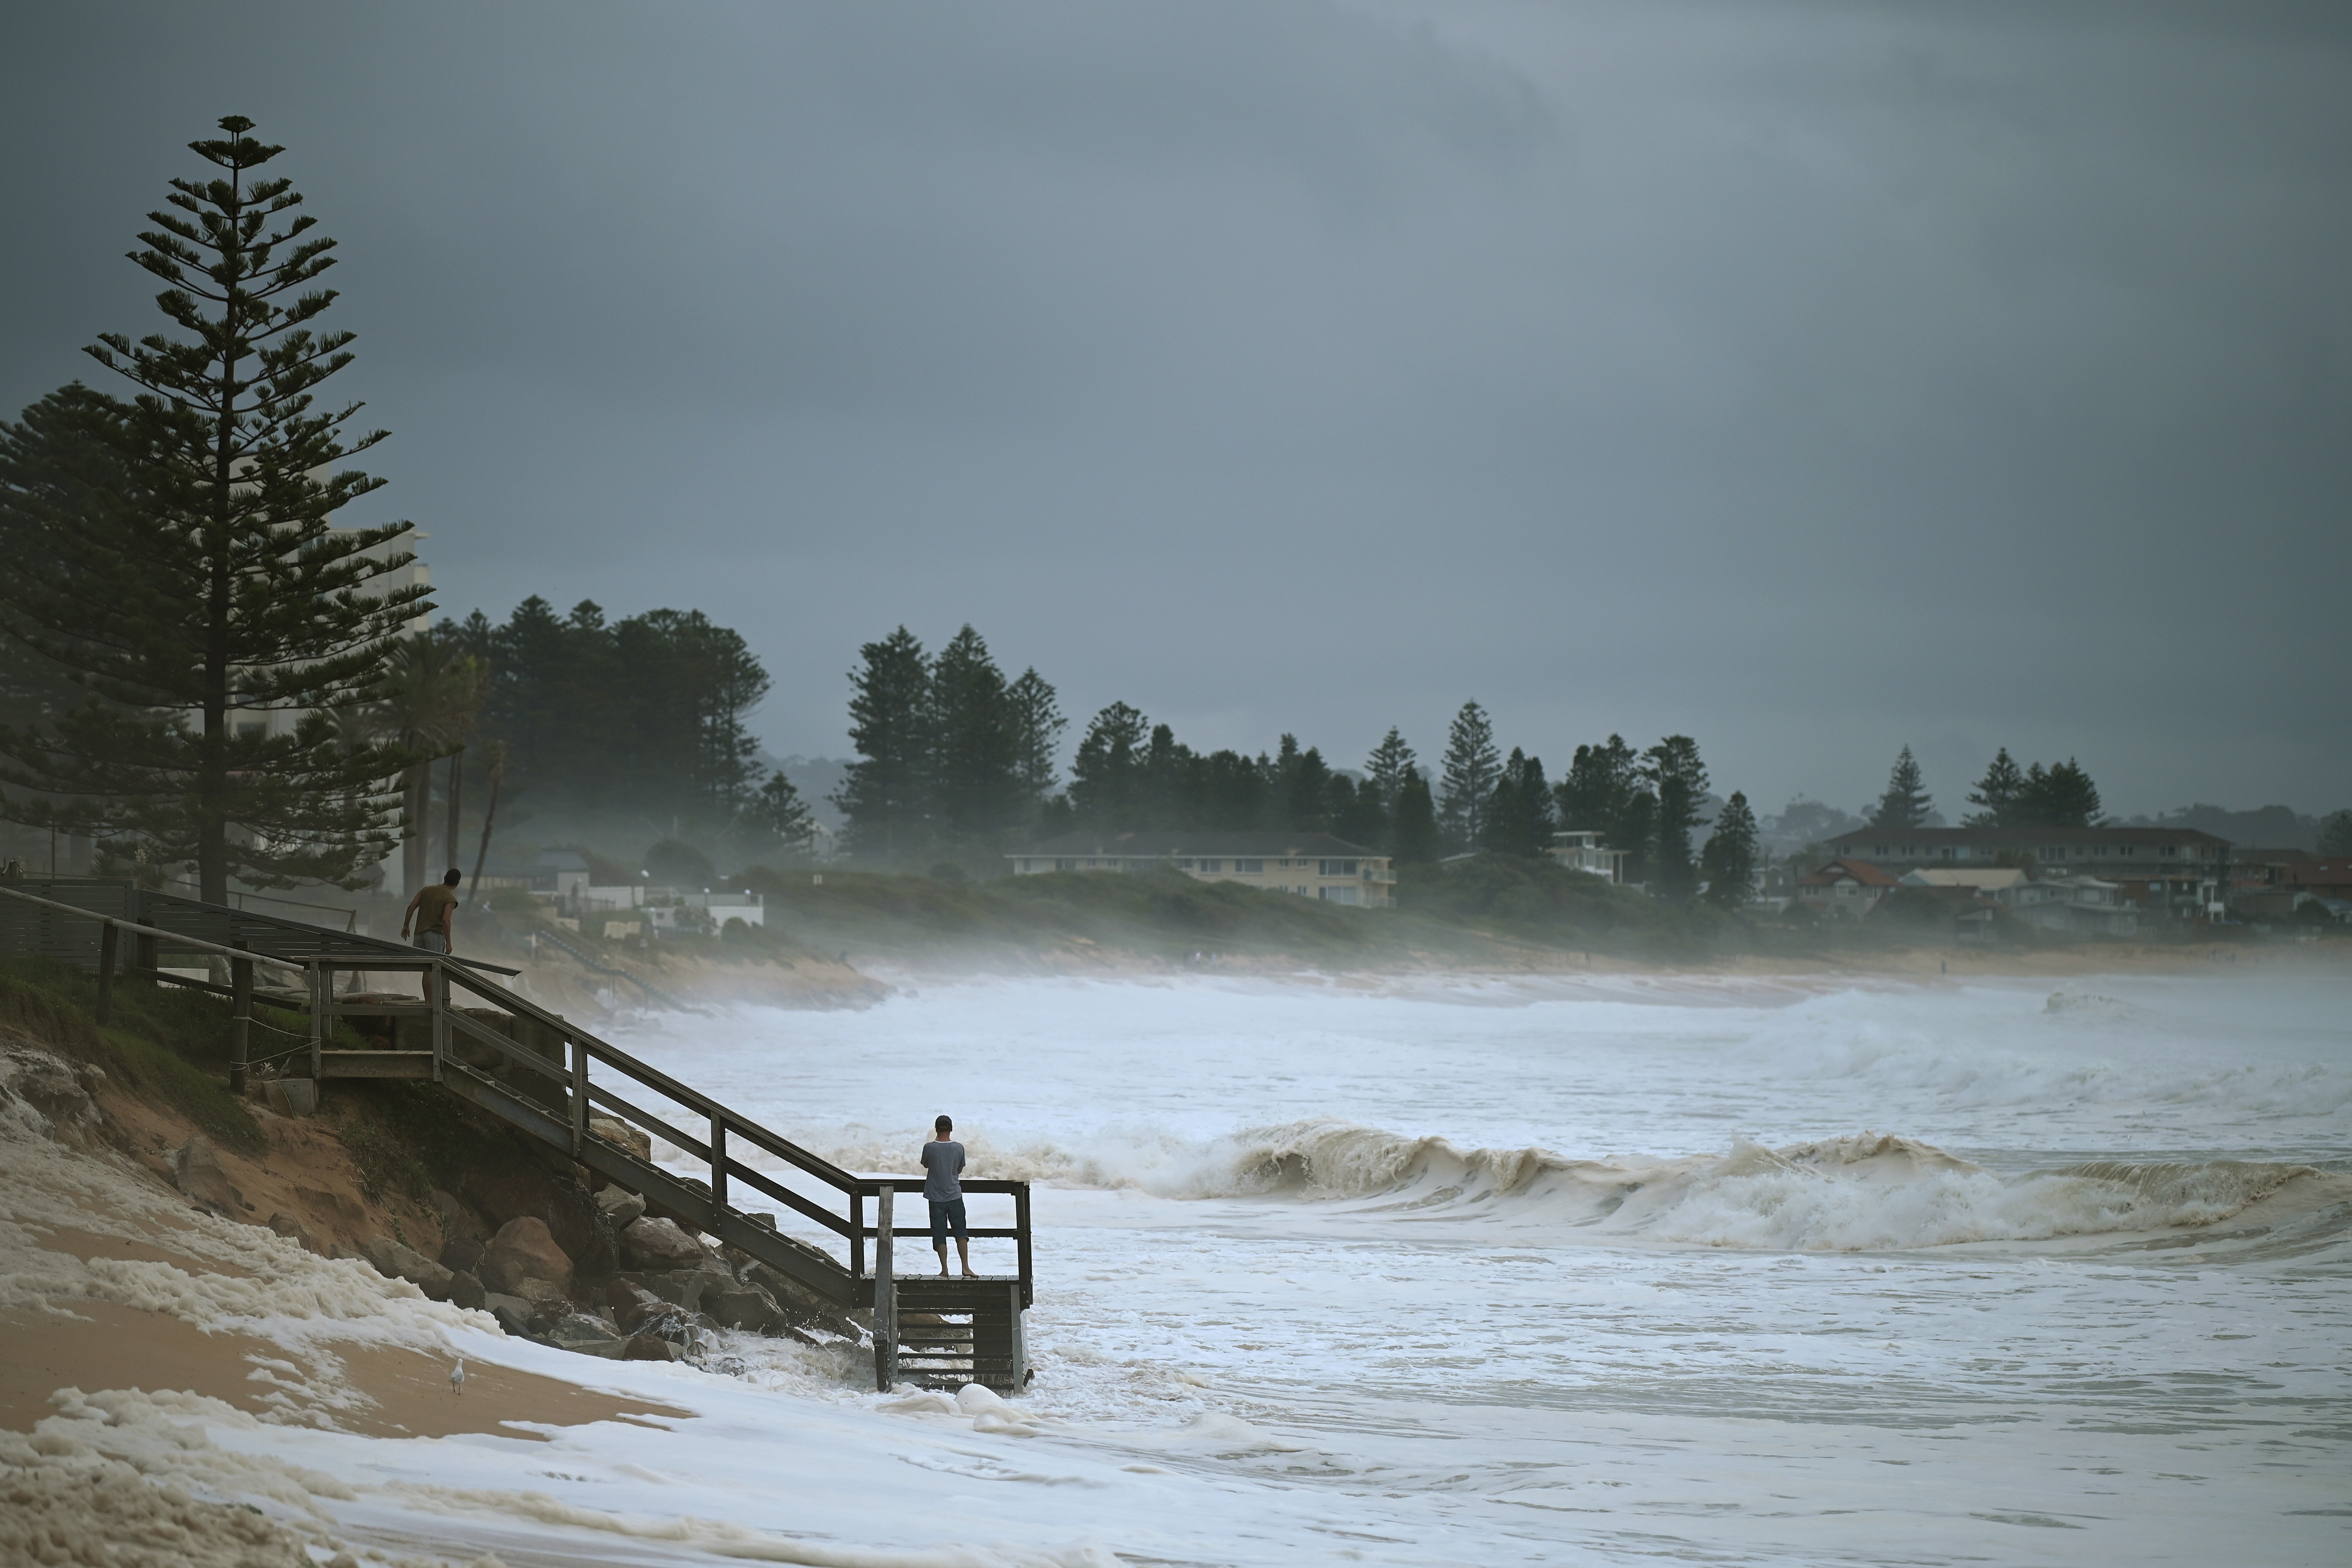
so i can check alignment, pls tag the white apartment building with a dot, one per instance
(1311, 865)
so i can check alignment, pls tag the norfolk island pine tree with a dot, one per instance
(226, 589)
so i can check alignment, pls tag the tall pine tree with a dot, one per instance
(885, 797)
(1905, 804)
(1728, 860)
(1679, 780)
(1468, 777)
(1414, 838)
(977, 790)
(1037, 737)
(232, 622)
(1996, 794)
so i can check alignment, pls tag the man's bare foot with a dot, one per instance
(969, 1275)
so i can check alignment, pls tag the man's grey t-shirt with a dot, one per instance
(942, 1163)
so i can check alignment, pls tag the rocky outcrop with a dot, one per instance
(197, 1171)
(58, 1099)
(291, 1228)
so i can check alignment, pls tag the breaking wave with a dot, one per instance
(1866, 1191)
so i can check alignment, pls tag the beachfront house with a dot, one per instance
(1580, 849)
(1311, 865)
(1844, 889)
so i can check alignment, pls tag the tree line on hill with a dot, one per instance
(2060, 795)
(953, 757)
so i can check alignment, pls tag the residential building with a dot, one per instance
(1844, 889)
(1579, 849)
(671, 909)
(1312, 865)
(2174, 871)
(2087, 905)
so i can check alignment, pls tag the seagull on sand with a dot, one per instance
(457, 1376)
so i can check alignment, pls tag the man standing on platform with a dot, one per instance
(434, 910)
(942, 1164)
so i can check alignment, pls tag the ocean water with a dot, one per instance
(1623, 1270)
(1474, 1272)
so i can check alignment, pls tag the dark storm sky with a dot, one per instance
(1808, 378)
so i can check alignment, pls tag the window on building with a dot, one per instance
(1212, 865)
(1338, 895)
(1066, 864)
(1336, 867)
(1249, 868)
(2169, 849)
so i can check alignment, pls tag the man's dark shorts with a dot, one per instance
(945, 1217)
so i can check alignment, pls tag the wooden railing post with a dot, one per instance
(322, 981)
(579, 1096)
(1020, 1223)
(110, 939)
(886, 1298)
(240, 1023)
(437, 992)
(145, 959)
(858, 1235)
(718, 1169)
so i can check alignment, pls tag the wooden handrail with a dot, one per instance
(199, 944)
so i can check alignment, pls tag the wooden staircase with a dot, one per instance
(546, 1077)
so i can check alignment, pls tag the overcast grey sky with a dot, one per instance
(1809, 378)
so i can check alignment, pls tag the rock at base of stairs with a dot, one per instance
(659, 1245)
(736, 1305)
(514, 1314)
(588, 1336)
(651, 1347)
(467, 1291)
(395, 1261)
(623, 1207)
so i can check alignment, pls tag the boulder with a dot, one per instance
(650, 1347)
(292, 1228)
(518, 1189)
(395, 1261)
(467, 1291)
(463, 1252)
(589, 1336)
(524, 1249)
(457, 1219)
(621, 1135)
(513, 1313)
(740, 1306)
(689, 1287)
(546, 1297)
(494, 1276)
(659, 1244)
(60, 1093)
(802, 1306)
(197, 1168)
(623, 1209)
(632, 1308)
